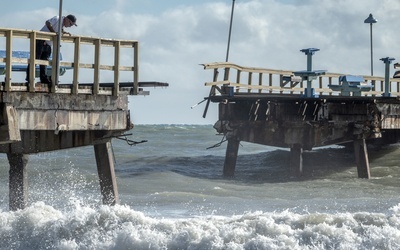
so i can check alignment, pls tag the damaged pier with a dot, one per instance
(302, 110)
(38, 117)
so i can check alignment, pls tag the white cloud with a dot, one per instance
(266, 33)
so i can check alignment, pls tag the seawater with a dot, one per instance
(173, 196)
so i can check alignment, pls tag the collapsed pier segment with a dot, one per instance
(302, 110)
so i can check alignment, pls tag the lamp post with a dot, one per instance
(56, 51)
(370, 19)
(230, 31)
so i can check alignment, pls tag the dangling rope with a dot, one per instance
(219, 143)
(128, 141)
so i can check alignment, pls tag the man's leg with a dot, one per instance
(45, 54)
(38, 53)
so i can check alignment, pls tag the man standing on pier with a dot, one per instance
(43, 48)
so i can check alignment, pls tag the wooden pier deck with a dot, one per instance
(38, 117)
(277, 108)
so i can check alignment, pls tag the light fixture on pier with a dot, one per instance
(370, 19)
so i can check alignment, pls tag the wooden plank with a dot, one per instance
(216, 83)
(126, 68)
(20, 60)
(21, 33)
(107, 67)
(129, 44)
(242, 68)
(86, 65)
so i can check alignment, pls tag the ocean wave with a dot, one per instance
(41, 226)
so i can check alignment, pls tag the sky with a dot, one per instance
(177, 36)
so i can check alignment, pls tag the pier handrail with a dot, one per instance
(264, 80)
(12, 34)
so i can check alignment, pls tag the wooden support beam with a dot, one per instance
(231, 157)
(18, 181)
(105, 168)
(296, 160)
(361, 154)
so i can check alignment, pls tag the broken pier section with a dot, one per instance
(275, 108)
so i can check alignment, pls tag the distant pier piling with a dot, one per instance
(231, 157)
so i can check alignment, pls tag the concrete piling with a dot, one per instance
(18, 181)
(105, 167)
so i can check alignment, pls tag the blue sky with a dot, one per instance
(176, 36)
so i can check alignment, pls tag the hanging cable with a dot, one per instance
(128, 141)
(219, 143)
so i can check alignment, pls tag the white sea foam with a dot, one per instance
(120, 227)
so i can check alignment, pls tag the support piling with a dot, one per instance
(18, 181)
(105, 168)
(296, 160)
(231, 157)
(361, 154)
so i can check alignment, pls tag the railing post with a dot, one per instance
(117, 51)
(136, 69)
(96, 77)
(54, 73)
(387, 61)
(8, 59)
(32, 62)
(250, 80)
(75, 88)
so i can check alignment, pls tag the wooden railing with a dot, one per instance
(262, 80)
(11, 35)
